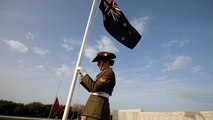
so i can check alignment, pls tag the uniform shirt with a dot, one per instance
(105, 82)
(98, 107)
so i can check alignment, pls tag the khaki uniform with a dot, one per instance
(97, 107)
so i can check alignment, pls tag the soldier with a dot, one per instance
(97, 106)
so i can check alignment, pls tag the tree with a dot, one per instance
(35, 109)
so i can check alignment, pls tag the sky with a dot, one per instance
(170, 69)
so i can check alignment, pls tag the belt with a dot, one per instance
(102, 94)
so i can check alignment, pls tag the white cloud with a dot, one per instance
(179, 62)
(29, 36)
(176, 43)
(16, 46)
(68, 44)
(90, 52)
(150, 63)
(64, 70)
(40, 51)
(40, 67)
(197, 69)
(104, 44)
(166, 85)
(140, 23)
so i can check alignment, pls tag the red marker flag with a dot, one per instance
(57, 107)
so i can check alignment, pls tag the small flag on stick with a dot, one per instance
(57, 107)
(117, 25)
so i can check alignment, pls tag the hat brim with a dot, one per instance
(98, 58)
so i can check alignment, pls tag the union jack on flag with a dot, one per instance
(112, 8)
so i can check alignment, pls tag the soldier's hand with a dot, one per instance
(81, 71)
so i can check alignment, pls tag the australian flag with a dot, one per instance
(117, 25)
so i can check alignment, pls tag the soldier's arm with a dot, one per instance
(95, 86)
(84, 83)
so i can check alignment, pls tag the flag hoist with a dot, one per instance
(71, 91)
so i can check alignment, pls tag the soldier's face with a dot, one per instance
(100, 64)
(103, 65)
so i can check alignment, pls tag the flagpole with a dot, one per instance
(71, 91)
(51, 110)
(56, 94)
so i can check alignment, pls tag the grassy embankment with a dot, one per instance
(22, 118)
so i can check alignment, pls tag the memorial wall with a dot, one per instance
(139, 114)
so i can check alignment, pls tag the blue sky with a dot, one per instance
(169, 70)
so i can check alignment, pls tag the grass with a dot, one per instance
(2, 118)
(22, 118)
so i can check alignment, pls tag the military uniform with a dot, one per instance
(97, 106)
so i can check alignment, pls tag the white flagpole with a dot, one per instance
(71, 91)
